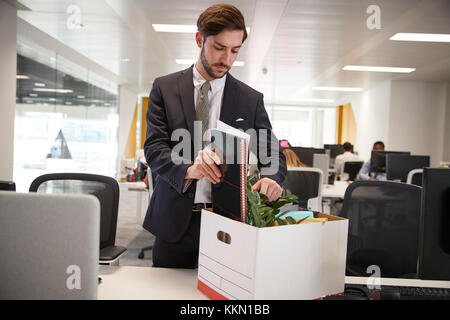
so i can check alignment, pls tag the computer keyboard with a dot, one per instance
(420, 292)
(398, 293)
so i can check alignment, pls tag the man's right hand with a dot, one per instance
(205, 165)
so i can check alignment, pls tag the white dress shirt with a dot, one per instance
(341, 159)
(365, 174)
(215, 94)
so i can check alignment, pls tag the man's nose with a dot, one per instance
(226, 58)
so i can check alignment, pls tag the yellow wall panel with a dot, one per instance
(345, 124)
(130, 147)
(144, 120)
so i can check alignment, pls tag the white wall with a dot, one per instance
(8, 66)
(416, 118)
(406, 115)
(371, 109)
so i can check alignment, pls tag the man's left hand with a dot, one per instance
(269, 188)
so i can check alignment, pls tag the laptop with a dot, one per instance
(49, 246)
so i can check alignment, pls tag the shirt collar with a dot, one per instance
(216, 84)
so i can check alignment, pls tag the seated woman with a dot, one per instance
(292, 160)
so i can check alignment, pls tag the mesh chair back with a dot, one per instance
(106, 189)
(353, 168)
(305, 183)
(417, 179)
(383, 227)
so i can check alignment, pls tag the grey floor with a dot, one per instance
(129, 233)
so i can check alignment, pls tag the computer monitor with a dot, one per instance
(434, 240)
(399, 165)
(306, 155)
(333, 150)
(319, 150)
(7, 186)
(49, 246)
(378, 160)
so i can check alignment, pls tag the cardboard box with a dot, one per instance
(303, 261)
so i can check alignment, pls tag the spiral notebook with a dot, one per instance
(229, 197)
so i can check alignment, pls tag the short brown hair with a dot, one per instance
(220, 17)
(347, 146)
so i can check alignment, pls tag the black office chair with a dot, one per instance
(151, 183)
(306, 184)
(352, 168)
(7, 186)
(383, 229)
(106, 189)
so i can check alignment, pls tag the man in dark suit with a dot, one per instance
(205, 92)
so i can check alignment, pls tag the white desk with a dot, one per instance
(331, 193)
(398, 282)
(141, 190)
(146, 283)
(337, 190)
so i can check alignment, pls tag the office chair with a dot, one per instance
(415, 177)
(151, 183)
(306, 184)
(352, 168)
(106, 189)
(383, 227)
(7, 186)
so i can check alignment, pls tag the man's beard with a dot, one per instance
(208, 67)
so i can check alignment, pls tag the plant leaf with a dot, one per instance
(301, 220)
(291, 220)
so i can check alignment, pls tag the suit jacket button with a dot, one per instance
(190, 195)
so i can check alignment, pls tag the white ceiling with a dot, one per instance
(302, 43)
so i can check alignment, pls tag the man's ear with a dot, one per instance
(199, 39)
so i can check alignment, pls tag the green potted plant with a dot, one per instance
(261, 214)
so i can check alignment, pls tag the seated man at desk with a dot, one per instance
(348, 155)
(365, 173)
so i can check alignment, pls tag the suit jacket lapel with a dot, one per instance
(186, 90)
(230, 94)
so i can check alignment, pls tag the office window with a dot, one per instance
(304, 126)
(66, 117)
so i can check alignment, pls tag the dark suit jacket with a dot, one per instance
(170, 107)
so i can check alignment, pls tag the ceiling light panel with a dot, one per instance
(378, 69)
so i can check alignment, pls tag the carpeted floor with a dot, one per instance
(129, 233)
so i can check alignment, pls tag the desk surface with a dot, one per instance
(146, 283)
(398, 282)
(133, 185)
(337, 190)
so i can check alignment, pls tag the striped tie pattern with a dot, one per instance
(202, 110)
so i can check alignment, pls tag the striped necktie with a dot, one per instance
(202, 110)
